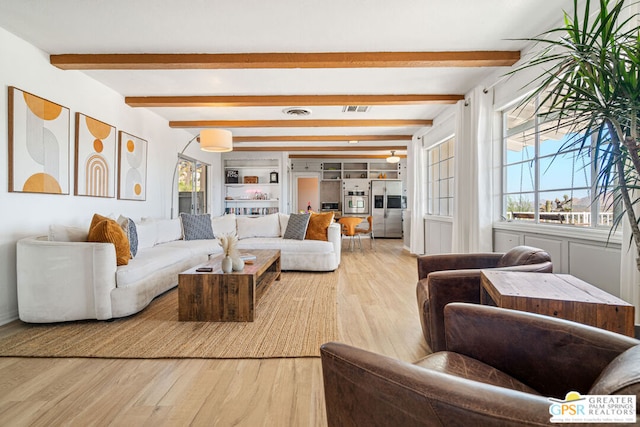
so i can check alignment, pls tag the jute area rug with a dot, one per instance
(293, 318)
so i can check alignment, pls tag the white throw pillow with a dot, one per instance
(225, 224)
(262, 226)
(147, 234)
(284, 221)
(168, 230)
(63, 233)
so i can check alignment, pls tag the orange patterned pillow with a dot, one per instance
(106, 230)
(318, 225)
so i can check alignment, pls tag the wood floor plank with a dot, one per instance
(20, 413)
(171, 383)
(15, 374)
(377, 311)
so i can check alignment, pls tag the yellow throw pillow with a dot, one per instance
(318, 225)
(106, 230)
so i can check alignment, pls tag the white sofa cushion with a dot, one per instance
(302, 255)
(225, 224)
(149, 261)
(263, 226)
(287, 245)
(209, 246)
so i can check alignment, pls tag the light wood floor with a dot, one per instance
(377, 311)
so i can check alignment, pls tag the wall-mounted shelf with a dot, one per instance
(360, 170)
(255, 185)
(250, 200)
(384, 170)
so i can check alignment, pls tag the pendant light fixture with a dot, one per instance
(216, 140)
(393, 158)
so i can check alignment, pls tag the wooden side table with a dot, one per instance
(226, 297)
(558, 295)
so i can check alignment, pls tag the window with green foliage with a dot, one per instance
(192, 186)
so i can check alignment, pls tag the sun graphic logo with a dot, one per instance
(572, 405)
(576, 408)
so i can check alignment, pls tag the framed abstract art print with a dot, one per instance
(95, 158)
(132, 167)
(38, 144)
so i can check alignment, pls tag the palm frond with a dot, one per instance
(589, 83)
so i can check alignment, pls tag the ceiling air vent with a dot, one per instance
(297, 111)
(355, 108)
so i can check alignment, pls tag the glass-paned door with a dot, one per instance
(192, 186)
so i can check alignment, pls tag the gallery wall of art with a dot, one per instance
(99, 156)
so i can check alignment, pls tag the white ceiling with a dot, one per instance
(284, 26)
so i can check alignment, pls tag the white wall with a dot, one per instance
(24, 214)
(438, 235)
(591, 255)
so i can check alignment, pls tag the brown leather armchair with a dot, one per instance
(438, 283)
(499, 368)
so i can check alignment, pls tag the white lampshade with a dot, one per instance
(216, 140)
(393, 158)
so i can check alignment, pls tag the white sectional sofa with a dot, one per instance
(62, 277)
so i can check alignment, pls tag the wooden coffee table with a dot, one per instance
(558, 295)
(226, 297)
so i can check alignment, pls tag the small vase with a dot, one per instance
(237, 263)
(227, 264)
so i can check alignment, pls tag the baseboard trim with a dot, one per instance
(8, 317)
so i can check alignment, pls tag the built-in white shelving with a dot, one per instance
(252, 186)
(360, 170)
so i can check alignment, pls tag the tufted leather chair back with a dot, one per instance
(523, 255)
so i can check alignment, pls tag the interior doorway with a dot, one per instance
(307, 192)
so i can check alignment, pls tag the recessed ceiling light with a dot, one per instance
(353, 141)
(297, 111)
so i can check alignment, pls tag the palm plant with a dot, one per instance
(591, 85)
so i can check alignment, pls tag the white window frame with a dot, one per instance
(534, 125)
(444, 177)
(196, 199)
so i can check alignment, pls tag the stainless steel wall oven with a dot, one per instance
(355, 204)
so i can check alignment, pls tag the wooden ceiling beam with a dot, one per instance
(343, 156)
(296, 123)
(288, 100)
(321, 148)
(184, 61)
(322, 138)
